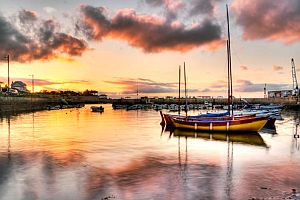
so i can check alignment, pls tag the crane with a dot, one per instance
(295, 82)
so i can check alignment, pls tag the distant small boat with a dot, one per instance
(97, 109)
(133, 107)
(57, 107)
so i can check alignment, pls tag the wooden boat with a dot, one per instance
(242, 124)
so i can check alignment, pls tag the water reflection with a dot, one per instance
(243, 138)
(8, 139)
(295, 140)
(76, 154)
(231, 138)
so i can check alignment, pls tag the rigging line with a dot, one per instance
(237, 56)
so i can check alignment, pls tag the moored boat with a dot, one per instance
(221, 122)
(97, 108)
(244, 124)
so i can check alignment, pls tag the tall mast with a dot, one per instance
(8, 72)
(137, 89)
(229, 60)
(179, 90)
(8, 82)
(228, 78)
(185, 89)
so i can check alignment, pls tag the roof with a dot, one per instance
(18, 84)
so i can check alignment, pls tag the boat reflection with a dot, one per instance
(273, 131)
(231, 139)
(243, 138)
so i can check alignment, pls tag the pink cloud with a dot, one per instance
(150, 33)
(268, 19)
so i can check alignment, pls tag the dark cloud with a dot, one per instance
(130, 86)
(248, 86)
(269, 19)
(155, 3)
(152, 34)
(11, 40)
(26, 16)
(28, 38)
(171, 7)
(202, 7)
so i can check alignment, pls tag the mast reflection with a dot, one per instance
(241, 138)
(8, 139)
(295, 140)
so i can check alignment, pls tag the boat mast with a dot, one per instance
(137, 90)
(185, 89)
(228, 78)
(229, 61)
(179, 90)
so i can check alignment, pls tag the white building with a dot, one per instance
(102, 96)
(20, 86)
(280, 93)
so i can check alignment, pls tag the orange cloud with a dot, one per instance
(150, 33)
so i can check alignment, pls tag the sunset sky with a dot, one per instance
(111, 45)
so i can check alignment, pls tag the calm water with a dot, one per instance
(76, 154)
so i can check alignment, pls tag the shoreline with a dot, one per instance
(28, 104)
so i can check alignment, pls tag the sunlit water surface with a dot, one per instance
(76, 154)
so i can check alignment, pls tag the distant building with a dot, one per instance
(102, 96)
(94, 92)
(170, 97)
(280, 93)
(204, 97)
(19, 86)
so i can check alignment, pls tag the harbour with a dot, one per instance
(18, 104)
(79, 154)
(149, 100)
